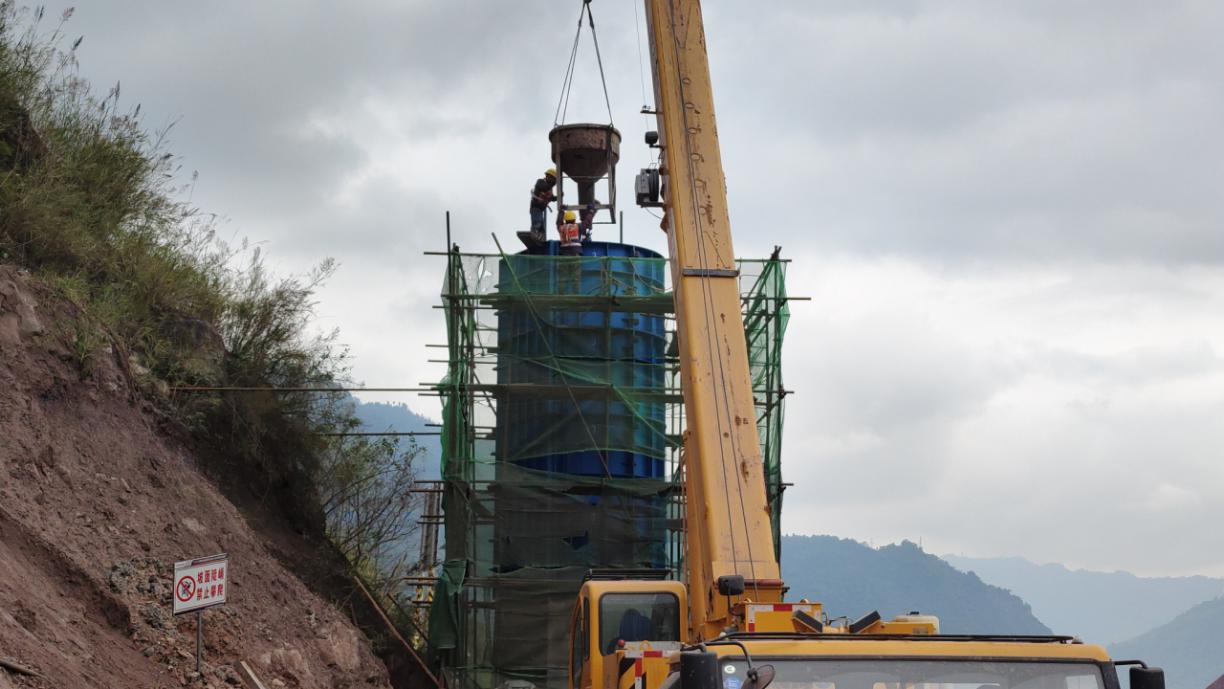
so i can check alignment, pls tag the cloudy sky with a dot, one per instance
(1007, 215)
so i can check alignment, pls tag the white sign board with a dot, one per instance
(201, 583)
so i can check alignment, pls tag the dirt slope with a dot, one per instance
(95, 507)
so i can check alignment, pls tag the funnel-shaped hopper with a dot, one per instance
(585, 152)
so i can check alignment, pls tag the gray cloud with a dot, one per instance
(1012, 411)
(951, 130)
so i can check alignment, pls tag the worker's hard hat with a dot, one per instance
(570, 217)
(550, 172)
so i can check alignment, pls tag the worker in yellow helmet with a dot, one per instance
(571, 235)
(542, 195)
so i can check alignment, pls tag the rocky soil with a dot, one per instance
(96, 505)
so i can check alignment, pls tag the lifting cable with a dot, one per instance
(567, 83)
(637, 27)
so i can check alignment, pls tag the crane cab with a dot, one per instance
(610, 615)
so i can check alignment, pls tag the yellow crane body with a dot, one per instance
(646, 667)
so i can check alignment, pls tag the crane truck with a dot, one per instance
(726, 626)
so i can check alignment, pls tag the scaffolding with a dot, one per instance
(562, 420)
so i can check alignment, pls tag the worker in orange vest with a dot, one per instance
(571, 235)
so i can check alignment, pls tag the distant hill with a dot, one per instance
(1099, 607)
(851, 578)
(379, 417)
(1190, 648)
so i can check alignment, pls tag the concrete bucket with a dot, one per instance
(585, 153)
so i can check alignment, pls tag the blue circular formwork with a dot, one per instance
(581, 369)
(585, 380)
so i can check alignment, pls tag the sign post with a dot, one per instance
(199, 638)
(199, 584)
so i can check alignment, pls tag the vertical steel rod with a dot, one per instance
(622, 227)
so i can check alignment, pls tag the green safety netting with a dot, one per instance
(445, 613)
(763, 285)
(561, 424)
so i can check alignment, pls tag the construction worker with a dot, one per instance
(542, 195)
(588, 219)
(571, 235)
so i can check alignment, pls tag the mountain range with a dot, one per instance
(1099, 607)
(852, 578)
(1190, 648)
(382, 417)
(1170, 622)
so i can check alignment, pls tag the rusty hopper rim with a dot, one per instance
(585, 151)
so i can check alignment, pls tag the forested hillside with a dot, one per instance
(155, 403)
(381, 417)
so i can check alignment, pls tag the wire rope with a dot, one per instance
(598, 59)
(637, 27)
(567, 84)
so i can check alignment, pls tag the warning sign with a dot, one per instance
(201, 583)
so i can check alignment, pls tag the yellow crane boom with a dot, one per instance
(728, 522)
